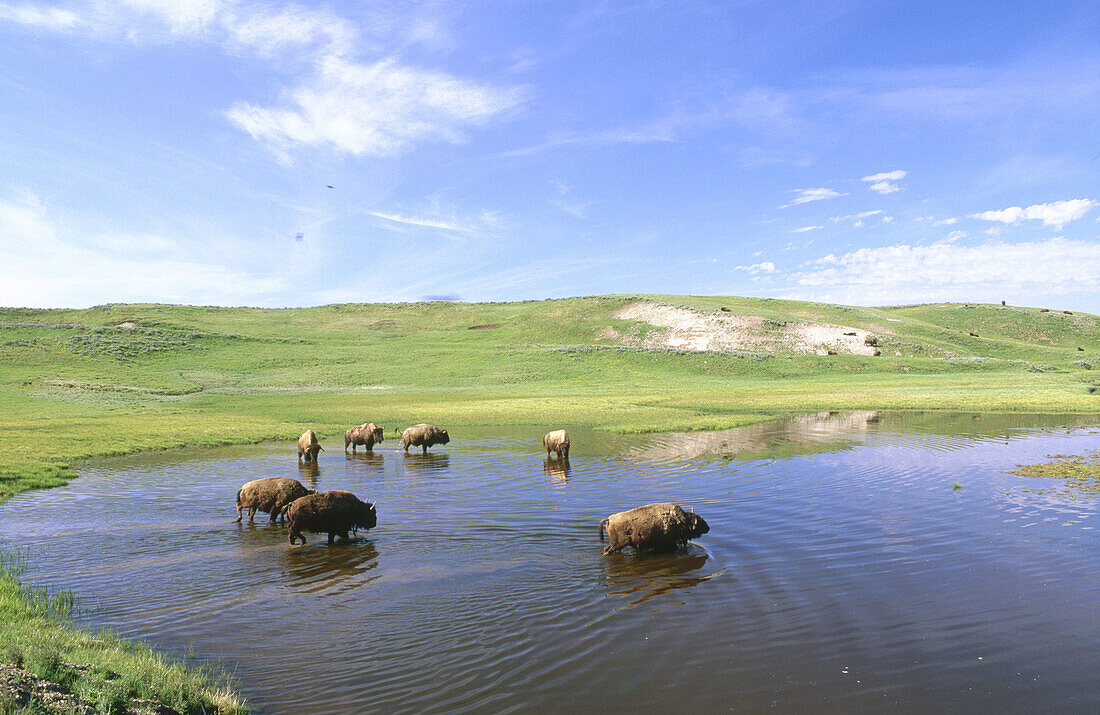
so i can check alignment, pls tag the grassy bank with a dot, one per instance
(81, 384)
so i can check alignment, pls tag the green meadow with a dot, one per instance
(81, 384)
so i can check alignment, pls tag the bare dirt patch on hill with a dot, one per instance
(685, 329)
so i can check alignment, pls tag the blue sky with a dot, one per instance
(870, 153)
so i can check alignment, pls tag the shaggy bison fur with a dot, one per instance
(423, 435)
(336, 512)
(661, 527)
(309, 446)
(368, 435)
(269, 494)
(557, 441)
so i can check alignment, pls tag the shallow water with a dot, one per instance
(842, 570)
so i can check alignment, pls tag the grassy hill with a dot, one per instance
(73, 384)
(78, 384)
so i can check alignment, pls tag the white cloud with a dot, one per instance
(807, 195)
(881, 183)
(804, 229)
(381, 108)
(955, 236)
(887, 219)
(903, 273)
(1055, 214)
(897, 175)
(357, 106)
(856, 217)
(424, 222)
(51, 18)
(756, 268)
(946, 222)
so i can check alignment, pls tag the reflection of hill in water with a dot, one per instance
(784, 437)
(832, 431)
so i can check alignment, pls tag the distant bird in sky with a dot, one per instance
(330, 186)
(299, 237)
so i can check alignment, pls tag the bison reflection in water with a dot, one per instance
(426, 462)
(330, 570)
(557, 469)
(336, 512)
(308, 472)
(643, 576)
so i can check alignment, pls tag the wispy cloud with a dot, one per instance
(858, 218)
(883, 183)
(424, 222)
(756, 268)
(804, 196)
(50, 18)
(1056, 214)
(806, 229)
(373, 106)
(381, 108)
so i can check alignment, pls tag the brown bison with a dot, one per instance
(269, 494)
(368, 435)
(309, 446)
(423, 435)
(336, 512)
(661, 527)
(557, 441)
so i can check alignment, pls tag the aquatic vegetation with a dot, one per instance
(1079, 475)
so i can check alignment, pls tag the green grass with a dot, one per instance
(104, 670)
(75, 386)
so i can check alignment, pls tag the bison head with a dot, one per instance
(366, 516)
(696, 525)
(445, 438)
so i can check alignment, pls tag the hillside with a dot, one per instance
(79, 383)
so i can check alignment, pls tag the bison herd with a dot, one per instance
(660, 527)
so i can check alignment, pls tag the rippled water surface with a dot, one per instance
(843, 570)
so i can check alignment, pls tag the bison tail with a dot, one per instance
(603, 526)
(238, 496)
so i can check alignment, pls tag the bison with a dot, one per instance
(423, 435)
(336, 512)
(557, 441)
(368, 435)
(661, 527)
(269, 494)
(309, 446)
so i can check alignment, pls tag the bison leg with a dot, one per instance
(331, 537)
(295, 534)
(239, 515)
(425, 449)
(251, 513)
